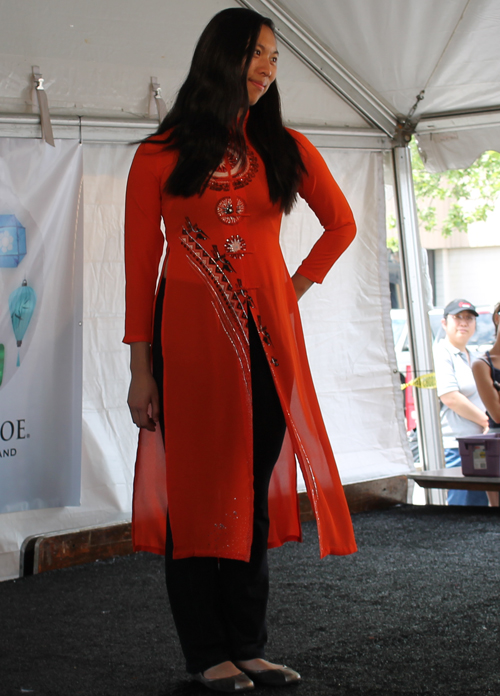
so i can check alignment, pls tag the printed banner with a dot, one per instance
(41, 295)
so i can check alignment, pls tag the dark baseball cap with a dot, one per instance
(456, 306)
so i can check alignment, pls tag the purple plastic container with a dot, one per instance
(480, 455)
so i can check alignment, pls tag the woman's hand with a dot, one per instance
(143, 399)
(301, 284)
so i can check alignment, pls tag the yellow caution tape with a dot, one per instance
(427, 381)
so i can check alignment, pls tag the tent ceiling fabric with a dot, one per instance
(399, 48)
(457, 149)
(97, 59)
(449, 48)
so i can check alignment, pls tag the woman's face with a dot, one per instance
(263, 66)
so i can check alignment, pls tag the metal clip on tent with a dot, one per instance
(160, 103)
(43, 105)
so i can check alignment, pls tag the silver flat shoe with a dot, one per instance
(283, 676)
(240, 682)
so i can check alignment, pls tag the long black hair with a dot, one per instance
(210, 110)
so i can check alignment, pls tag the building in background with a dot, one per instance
(465, 264)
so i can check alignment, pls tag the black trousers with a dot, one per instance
(219, 605)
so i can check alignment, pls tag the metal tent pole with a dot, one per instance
(419, 330)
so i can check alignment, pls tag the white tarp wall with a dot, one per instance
(347, 329)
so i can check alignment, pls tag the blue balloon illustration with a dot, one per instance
(12, 241)
(22, 303)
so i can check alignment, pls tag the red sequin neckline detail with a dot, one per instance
(231, 167)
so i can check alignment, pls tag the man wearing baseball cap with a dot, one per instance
(462, 411)
(457, 306)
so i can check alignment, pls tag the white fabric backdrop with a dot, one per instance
(40, 394)
(91, 68)
(108, 436)
(347, 328)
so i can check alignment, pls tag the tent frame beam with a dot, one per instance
(125, 130)
(419, 330)
(453, 121)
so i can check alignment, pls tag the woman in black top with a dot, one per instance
(486, 372)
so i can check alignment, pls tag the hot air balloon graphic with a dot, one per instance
(22, 303)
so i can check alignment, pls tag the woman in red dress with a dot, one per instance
(218, 357)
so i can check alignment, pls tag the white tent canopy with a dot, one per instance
(349, 74)
(97, 60)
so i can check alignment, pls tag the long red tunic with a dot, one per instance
(223, 260)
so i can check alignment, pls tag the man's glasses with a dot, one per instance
(469, 318)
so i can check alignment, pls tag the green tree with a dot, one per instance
(472, 191)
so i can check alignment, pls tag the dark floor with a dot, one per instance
(415, 611)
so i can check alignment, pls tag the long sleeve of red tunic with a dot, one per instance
(224, 260)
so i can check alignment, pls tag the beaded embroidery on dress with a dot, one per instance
(230, 166)
(231, 300)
